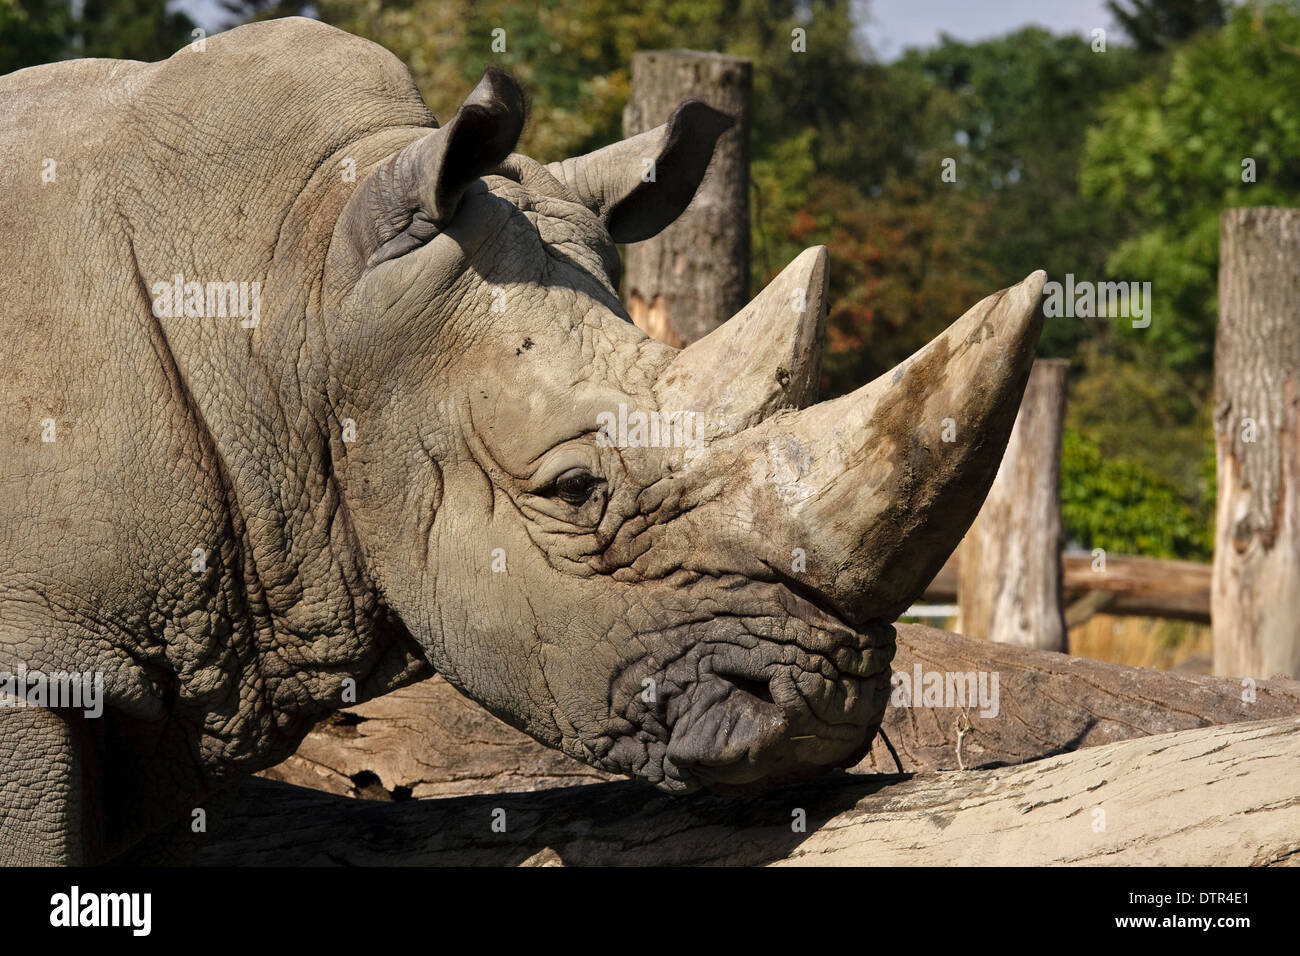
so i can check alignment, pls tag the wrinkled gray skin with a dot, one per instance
(457, 303)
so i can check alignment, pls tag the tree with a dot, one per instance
(1256, 364)
(41, 31)
(1125, 508)
(235, 12)
(905, 266)
(1219, 128)
(1216, 126)
(1015, 123)
(31, 32)
(1157, 24)
(574, 59)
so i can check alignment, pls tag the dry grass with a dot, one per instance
(1157, 643)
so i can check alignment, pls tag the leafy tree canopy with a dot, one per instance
(1219, 127)
(1157, 24)
(41, 31)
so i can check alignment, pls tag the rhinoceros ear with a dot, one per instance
(640, 185)
(416, 191)
(483, 132)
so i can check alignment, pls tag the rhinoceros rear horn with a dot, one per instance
(638, 186)
(766, 357)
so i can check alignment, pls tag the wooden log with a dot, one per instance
(1256, 597)
(1052, 703)
(1214, 796)
(1009, 579)
(694, 275)
(1087, 607)
(1141, 587)
(422, 741)
(1147, 587)
(428, 741)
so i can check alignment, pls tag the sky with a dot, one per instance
(892, 25)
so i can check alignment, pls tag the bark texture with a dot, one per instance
(1256, 599)
(1009, 585)
(426, 740)
(694, 275)
(1213, 796)
(429, 741)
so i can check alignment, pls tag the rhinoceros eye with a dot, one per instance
(576, 485)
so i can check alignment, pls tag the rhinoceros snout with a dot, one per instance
(749, 730)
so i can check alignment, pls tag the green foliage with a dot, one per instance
(1016, 119)
(575, 59)
(906, 265)
(1156, 24)
(130, 29)
(1126, 508)
(1169, 152)
(1143, 412)
(31, 32)
(903, 247)
(1168, 155)
(41, 31)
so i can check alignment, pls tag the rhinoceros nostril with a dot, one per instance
(755, 688)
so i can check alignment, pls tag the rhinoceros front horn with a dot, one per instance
(876, 488)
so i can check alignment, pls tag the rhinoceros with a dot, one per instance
(306, 398)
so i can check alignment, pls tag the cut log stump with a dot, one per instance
(683, 283)
(1009, 583)
(1256, 596)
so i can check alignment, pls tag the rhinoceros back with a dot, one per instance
(133, 445)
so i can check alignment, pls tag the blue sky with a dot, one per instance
(892, 25)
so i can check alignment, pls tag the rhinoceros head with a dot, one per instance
(660, 561)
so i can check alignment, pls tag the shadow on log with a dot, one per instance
(1224, 796)
(429, 741)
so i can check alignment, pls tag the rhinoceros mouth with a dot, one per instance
(734, 731)
(749, 704)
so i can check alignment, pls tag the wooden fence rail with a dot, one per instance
(1133, 586)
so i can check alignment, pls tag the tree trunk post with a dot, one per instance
(1255, 600)
(694, 275)
(1009, 577)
